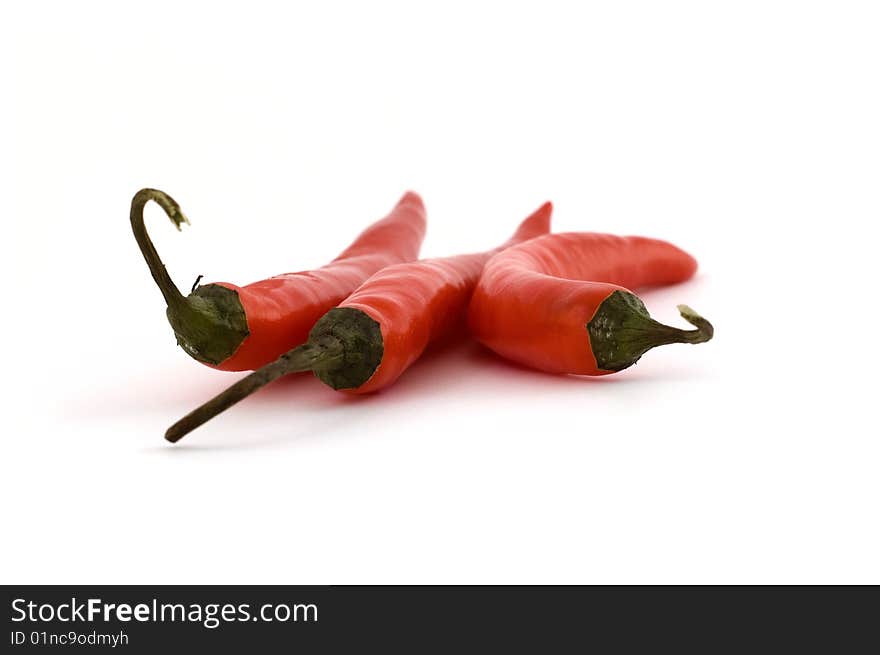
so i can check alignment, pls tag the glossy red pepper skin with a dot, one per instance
(424, 301)
(281, 310)
(535, 302)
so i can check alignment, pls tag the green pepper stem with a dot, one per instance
(166, 285)
(704, 330)
(621, 331)
(210, 324)
(653, 333)
(325, 352)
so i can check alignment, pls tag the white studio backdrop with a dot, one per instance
(746, 133)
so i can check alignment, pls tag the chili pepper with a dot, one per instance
(236, 328)
(372, 337)
(561, 303)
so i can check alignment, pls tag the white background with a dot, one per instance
(745, 132)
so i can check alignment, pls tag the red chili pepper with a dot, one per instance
(371, 338)
(560, 303)
(236, 328)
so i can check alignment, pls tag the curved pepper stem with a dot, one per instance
(621, 331)
(704, 331)
(166, 285)
(210, 324)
